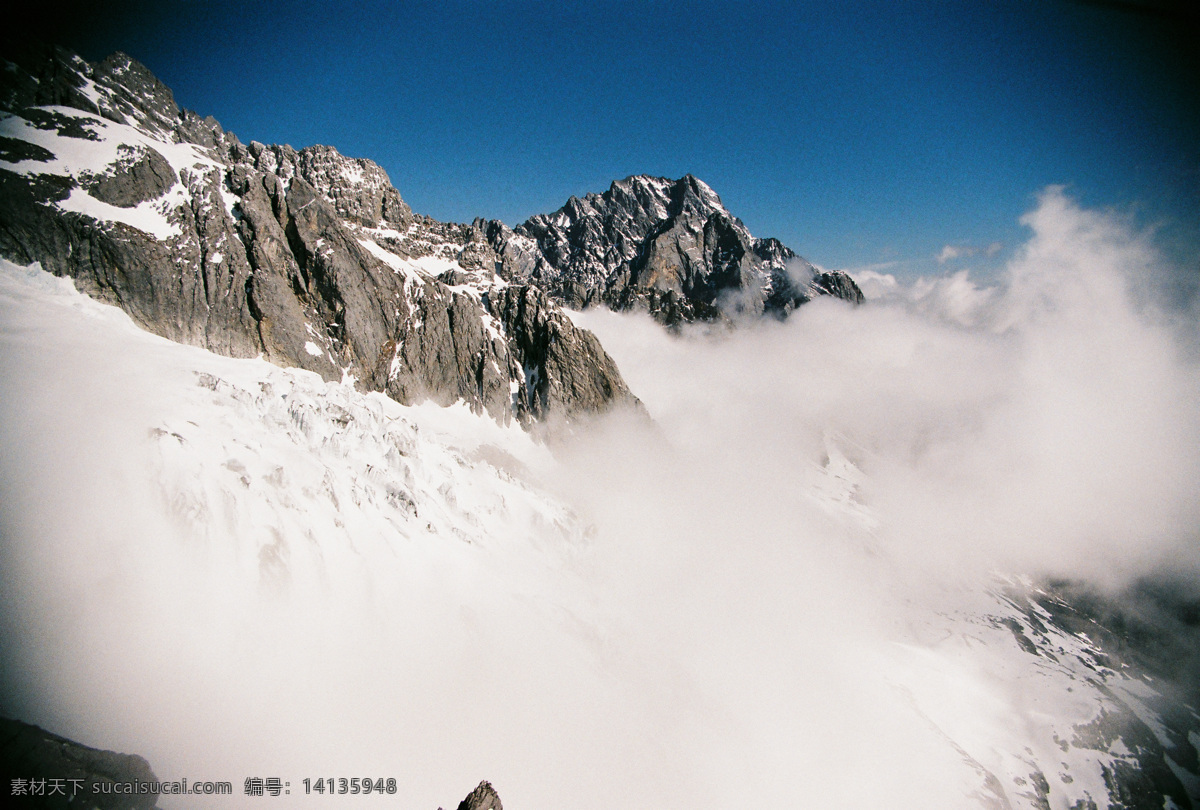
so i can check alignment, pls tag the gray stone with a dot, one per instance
(564, 369)
(483, 797)
(358, 189)
(839, 285)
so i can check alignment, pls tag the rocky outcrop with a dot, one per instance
(308, 258)
(562, 364)
(358, 189)
(136, 177)
(666, 246)
(837, 284)
(483, 797)
(45, 770)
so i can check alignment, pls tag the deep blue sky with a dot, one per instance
(856, 132)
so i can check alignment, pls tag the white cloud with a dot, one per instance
(1042, 423)
(873, 283)
(952, 252)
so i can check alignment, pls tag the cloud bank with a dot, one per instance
(1043, 424)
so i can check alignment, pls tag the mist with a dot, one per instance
(727, 607)
(1042, 424)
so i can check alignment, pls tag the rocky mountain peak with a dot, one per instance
(666, 246)
(312, 258)
(697, 193)
(135, 93)
(358, 189)
(483, 797)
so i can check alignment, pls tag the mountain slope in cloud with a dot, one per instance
(1044, 426)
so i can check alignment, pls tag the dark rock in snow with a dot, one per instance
(1149, 632)
(134, 180)
(15, 151)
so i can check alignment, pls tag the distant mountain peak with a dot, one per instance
(669, 247)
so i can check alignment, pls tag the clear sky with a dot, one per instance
(858, 133)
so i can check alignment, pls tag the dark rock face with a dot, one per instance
(28, 753)
(666, 246)
(837, 284)
(562, 364)
(308, 258)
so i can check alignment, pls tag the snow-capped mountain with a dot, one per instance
(309, 258)
(297, 531)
